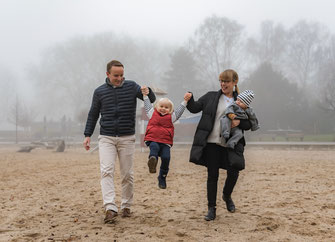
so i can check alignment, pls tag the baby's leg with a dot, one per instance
(225, 127)
(236, 135)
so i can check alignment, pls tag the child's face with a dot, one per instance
(163, 108)
(241, 104)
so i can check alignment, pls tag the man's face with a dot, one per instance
(115, 75)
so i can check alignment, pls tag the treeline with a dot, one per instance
(290, 69)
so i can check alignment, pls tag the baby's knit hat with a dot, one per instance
(246, 97)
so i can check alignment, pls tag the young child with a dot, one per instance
(237, 110)
(159, 133)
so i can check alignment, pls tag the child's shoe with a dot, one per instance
(162, 181)
(152, 163)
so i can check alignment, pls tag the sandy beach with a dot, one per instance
(282, 195)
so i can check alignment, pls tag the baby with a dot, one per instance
(237, 110)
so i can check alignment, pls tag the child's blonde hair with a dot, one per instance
(165, 100)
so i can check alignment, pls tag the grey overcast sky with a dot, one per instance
(29, 26)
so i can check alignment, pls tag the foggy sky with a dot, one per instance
(29, 26)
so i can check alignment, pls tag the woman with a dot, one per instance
(206, 150)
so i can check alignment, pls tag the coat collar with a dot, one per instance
(216, 100)
(108, 82)
(219, 93)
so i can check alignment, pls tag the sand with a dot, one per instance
(283, 195)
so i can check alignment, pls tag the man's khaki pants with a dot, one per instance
(109, 149)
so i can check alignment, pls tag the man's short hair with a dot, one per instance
(113, 63)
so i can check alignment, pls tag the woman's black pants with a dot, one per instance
(215, 156)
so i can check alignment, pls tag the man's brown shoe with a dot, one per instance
(110, 217)
(125, 213)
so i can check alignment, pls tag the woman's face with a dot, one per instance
(227, 87)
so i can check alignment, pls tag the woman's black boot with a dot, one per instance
(229, 203)
(211, 214)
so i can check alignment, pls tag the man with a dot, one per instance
(115, 101)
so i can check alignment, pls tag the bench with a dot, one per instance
(299, 136)
(263, 137)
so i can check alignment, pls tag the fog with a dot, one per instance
(54, 53)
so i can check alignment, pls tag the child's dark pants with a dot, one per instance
(163, 151)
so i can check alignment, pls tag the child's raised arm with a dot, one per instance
(181, 108)
(149, 109)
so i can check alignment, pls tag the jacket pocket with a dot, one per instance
(236, 157)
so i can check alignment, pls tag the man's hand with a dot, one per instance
(144, 90)
(86, 143)
(235, 123)
(187, 96)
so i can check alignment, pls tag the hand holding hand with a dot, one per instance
(187, 96)
(145, 90)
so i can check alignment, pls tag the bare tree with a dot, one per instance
(329, 98)
(148, 63)
(21, 116)
(327, 77)
(304, 44)
(270, 46)
(7, 92)
(69, 72)
(182, 75)
(81, 117)
(278, 103)
(217, 45)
